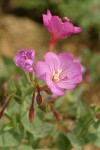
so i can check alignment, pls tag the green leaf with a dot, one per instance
(78, 137)
(63, 142)
(39, 128)
(76, 94)
(58, 102)
(11, 86)
(8, 139)
(27, 91)
(83, 110)
(94, 134)
(24, 147)
(78, 143)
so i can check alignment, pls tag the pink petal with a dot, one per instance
(28, 65)
(41, 70)
(73, 70)
(65, 59)
(77, 29)
(46, 20)
(66, 30)
(32, 54)
(21, 62)
(76, 79)
(49, 14)
(55, 90)
(52, 61)
(77, 59)
(29, 61)
(28, 68)
(55, 24)
(83, 69)
(65, 85)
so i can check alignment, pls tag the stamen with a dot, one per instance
(56, 75)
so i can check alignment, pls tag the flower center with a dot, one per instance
(56, 75)
(25, 56)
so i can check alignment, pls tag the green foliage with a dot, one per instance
(92, 62)
(63, 143)
(16, 131)
(85, 130)
(39, 128)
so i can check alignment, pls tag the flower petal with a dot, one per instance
(31, 54)
(28, 68)
(49, 14)
(55, 24)
(52, 61)
(69, 83)
(66, 30)
(72, 71)
(77, 29)
(65, 85)
(55, 90)
(75, 80)
(65, 59)
(46, 19)
(41, 70)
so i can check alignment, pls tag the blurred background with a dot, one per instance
(21, 27)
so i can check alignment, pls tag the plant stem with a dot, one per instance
(5, 105)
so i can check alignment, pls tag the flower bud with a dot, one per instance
(31, 109)
(31, 113)
(39, 99)
(56, 114)
(98, 116)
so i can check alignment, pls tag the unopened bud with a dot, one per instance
(98, 116)
(58, 116)
(31, 113)
(39, 99)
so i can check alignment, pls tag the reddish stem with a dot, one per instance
(5, 105)
(31, 109)
(52, 42)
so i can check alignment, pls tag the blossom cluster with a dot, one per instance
(61, 71)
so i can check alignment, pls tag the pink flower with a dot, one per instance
(59, 72)
(25, 59)
(57, 28)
